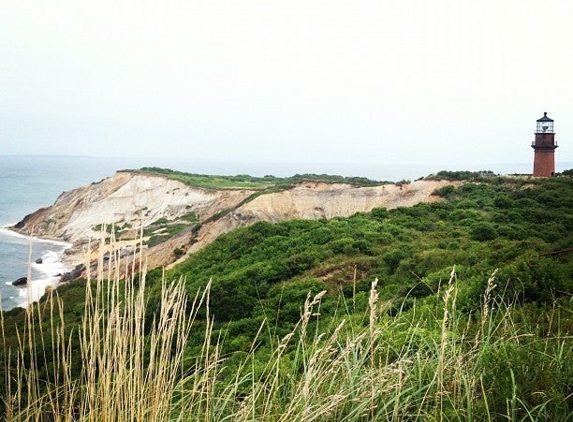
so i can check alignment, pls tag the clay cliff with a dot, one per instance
(134, 202)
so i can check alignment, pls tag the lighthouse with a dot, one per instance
(544, 148)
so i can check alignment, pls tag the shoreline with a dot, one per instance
(48, 272)
(9, 231)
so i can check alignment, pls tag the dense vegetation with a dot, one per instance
(471, 316)
(480, 228)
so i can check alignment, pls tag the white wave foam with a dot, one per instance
(52, 268)
(34, 290)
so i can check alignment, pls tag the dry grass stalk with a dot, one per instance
(372, 304)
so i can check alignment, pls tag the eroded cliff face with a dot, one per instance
(136, 200)
(133, 201)
(315, 200)
(129, 199)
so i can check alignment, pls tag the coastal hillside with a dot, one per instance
(453, 309)
(178, 214)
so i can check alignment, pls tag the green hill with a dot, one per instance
(470, 318)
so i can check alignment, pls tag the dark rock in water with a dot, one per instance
(22, 281)
(75, 273)
(38, 261)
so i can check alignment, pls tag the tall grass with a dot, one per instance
(129, 371)
(431, 363)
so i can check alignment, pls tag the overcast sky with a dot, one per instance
(361, 82)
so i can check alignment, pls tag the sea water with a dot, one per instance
(28, 183)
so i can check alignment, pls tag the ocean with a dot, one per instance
(28, 183)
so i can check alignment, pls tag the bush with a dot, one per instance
(446, 192)
(178, 252)
(380, 213)
(483, 232)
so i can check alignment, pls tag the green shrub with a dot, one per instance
(483, 231)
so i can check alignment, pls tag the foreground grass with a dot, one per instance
(431, 363)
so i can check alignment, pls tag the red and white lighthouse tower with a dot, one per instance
(544, 147)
